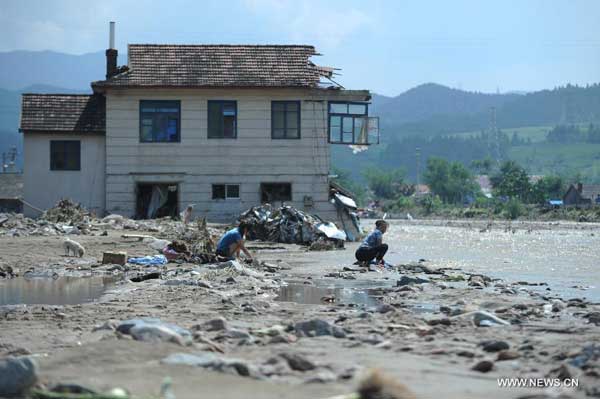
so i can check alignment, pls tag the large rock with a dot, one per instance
(317, 328)
(298, 362)
(17, 375)
(494, 346)
(213, 362)
(405, 280)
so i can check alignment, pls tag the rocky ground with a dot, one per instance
(220, 330)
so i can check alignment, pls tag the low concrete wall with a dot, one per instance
(44, 187)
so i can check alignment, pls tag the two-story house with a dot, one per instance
(223, 127)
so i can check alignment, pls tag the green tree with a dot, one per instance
(548, 187)
(482, 166)
(385, 184)
(511, 181)
(451, 181)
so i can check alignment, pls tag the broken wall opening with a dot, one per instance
(271, 193)
(155, 200)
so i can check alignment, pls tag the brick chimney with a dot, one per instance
(111, 54)
(579, 187)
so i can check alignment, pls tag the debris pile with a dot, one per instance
(288, 225)
(67, 212)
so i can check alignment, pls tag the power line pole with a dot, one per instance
(418, 160)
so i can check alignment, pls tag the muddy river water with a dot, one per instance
(567, 259)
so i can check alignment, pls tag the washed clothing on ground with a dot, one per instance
(231, 237)
(373, 239)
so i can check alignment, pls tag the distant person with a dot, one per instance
(232, 242)
(372, 247)
(186, 215)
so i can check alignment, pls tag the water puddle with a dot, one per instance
(53, 291)
(308, 294)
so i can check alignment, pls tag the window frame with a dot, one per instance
(285, 128)
(225, 185)
(173, 102)
(235, 121)
(347, 115)
(53, 166)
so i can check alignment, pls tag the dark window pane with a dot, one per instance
(159, 121)
(233, 191)
(222, 119)
(278, 119)
(218, 191)
(215, 120)
(65, 155)
(229, 126)
(285, 117)
(291, 120)
(338, 108)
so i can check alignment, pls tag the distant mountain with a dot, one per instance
(431, 99)
(431, 109)
(19, 69)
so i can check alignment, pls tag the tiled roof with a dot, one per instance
(158, 65)
(74, 113)
(590, 191)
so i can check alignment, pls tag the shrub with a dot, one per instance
(513, 208)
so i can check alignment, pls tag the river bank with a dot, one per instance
(419, 322)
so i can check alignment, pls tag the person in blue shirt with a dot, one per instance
(232, 242)
(372, 247)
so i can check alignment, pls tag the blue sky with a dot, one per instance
(384, 46)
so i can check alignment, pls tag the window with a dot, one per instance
(225, 191)
(349, 124)
(222, 119)
(274, 192)
(159, 121)
(285, 119)
(65, 155)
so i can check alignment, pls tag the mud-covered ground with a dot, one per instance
(423, 333)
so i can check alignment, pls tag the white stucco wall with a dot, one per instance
(197, 162)
(44, 187)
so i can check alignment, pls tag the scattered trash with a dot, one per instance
(485, 319)
(150, 260)
(149, 329)
(287, 225)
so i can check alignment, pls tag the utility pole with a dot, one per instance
(418, 159)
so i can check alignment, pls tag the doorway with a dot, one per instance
(155, 200)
